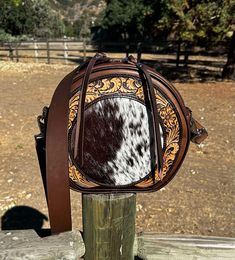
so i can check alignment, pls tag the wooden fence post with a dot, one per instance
(11, 52)
(35, 50)
(178, 54)
(186, 55)
(109, 226)
(48, 53)
(139, 47)
(65, 52)
(84, 49)
(17, 52)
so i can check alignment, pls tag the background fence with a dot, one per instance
(170, 54)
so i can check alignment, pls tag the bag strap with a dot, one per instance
(149, 96)
(57, 177)
(158, 153)
(79, 131)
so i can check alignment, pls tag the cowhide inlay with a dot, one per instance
(117, 141)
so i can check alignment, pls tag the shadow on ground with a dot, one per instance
(183, 73)
(193, 71)
(24, 217)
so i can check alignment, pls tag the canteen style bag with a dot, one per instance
(112, 126)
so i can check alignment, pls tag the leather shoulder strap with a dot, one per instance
(58, 193)
(57, 177)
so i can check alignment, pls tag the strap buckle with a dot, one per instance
(198, 132)
(42, 120)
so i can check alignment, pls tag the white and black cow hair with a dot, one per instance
(117, 141)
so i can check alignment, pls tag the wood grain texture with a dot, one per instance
(25, 244)
(153, 246)
(109, 226)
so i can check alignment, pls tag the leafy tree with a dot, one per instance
(191, 20)
(33, 17)
(194, 20)
(56, 26)
(5, 37)
(126, 18)
(69, 28)
(83, 25)
(88, 19)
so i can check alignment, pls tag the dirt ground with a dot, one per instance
(199, 200)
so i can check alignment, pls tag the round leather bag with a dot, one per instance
(118, 135)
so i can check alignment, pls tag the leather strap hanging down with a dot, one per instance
(158, 153)
(57, 177)
(58, 193)
(79, 132)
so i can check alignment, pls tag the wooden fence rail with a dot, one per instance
(174, 53)
(25, 244)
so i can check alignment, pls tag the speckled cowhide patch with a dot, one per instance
(117, 141)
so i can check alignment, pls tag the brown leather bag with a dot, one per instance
(112, 126)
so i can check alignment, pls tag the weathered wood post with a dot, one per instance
(178, 53)
(17, 52)
(65, 52)
(84, 49)
(11, 56)
(48, 52)
(35, 50)
(186, 55)
(109, 226)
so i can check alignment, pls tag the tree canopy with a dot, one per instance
(126, 17)
(190, 20)
(29, 17)
(197, 20)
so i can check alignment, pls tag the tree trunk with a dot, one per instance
(229, 68)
